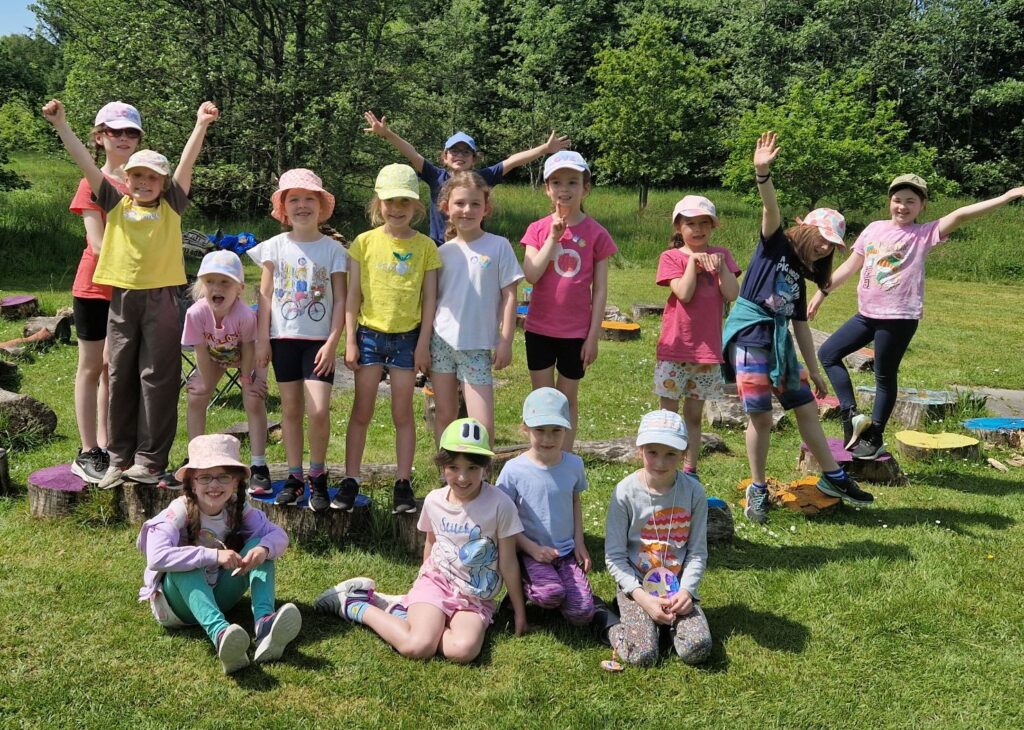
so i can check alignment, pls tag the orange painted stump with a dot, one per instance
(801, 495)
(619, 331)
(54, 491)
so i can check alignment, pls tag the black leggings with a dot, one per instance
(891, 338)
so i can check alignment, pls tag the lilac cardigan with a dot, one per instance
(164, 542)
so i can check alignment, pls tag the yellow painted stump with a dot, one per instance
(917, 445)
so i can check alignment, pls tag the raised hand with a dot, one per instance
(556, 143)
(765, 152)
(53, 112)
(208, 112)
(377, 126)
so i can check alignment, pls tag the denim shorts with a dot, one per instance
(395, 350)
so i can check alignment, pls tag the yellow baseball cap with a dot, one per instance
(397, 181)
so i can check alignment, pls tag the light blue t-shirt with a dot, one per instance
(543, 495)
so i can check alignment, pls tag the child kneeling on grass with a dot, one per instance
(545, 484)
(656, 548)
(207, 548)
(471, 531)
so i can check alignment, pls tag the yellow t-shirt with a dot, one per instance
(391, 278)
(141, 245)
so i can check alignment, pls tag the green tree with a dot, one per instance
(837, 148)
(650, 108)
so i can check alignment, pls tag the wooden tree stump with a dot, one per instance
(54, 491)
(241, 430)
(8, 371)
(369, 475)
(801, 495)
(613, 451)
(18, 347)
(303, 524)
(721, 528)
(140, 502)
(619, 331)
(648, 310)
(521, 311)
(728, 412)
(410, 537)
(863, 360)
(915, 407)
(6, 486)
(917, 445)
(828, 407)
(883, 470)
(1004, 431)
(59, 326)
(23, 413)
(19, 306)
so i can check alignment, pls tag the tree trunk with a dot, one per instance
(23, 413)
(644, 189)
(6, 487)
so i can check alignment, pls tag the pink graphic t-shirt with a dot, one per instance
(561, 303)
(891, 282)
(691, 332)
(224, 342)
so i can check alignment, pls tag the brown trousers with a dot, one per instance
(144, 349)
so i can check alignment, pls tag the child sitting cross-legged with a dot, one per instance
(545, 483)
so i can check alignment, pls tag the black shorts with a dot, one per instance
(91, 318)
(294, 360)
(565, 353)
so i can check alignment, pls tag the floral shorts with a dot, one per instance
(469, 366)
(695, 380)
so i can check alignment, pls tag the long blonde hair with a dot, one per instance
(465, 179)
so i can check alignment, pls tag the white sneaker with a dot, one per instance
(111, 479)
(275, 632)
(860, 424)
(142, 474)
(233, 648)
(334, 599)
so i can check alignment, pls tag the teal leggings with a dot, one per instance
(195, 601)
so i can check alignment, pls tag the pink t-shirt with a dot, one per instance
(892, 279)
(466, 537)
(225, 342)
(561, 303)
(83, 286)
(692, 331)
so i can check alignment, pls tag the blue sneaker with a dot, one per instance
(275, 632)
(757, 504)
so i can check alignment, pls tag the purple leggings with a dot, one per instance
(560, 584)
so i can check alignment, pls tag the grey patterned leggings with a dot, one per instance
(635, 640)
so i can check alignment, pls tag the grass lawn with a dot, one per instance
(902, 615)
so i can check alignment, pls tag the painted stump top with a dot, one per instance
(935, 440)
(994, 424)
(840, 454)
(361, 501)
(829, 400)
(716, 503)
(919, 395)
(57, 478)
(16, 300)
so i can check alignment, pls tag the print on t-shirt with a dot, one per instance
(787, 289)
(477, 557)
(300, 289)
(662, 536)
(882, 262)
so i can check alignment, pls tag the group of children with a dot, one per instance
(446, 307)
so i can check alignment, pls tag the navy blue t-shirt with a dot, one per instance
(435, 177)
(774, 282)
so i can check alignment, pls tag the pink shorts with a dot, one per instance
(432, 587)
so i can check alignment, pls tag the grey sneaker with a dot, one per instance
(337, 598)
(141, 474)
(259, 481)
(845, 489)
(870, 446)
(90, 465)
(275, 632)
(111, 479)
(757, 504)
(233, 648)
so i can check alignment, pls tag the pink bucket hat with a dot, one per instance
(215, 449)
(695, 206)
(303, 179)
(830, 223)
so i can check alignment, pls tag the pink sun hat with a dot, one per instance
(695, 206)
(830, 224)
(302, 179)
(214, 449)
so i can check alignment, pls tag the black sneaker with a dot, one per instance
(259, 481)
(90, 465)
(319, 501)
(291, 491)
(404, 499)
(870, 446)
(846, 420)
(345, 499)
(845, 489)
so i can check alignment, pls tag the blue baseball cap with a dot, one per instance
(460, 137)
(546, 407)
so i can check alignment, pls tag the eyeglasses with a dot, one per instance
(127, 132)
(223, 479)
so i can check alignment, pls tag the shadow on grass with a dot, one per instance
(770, 630)
(969, 483)
(743, 555)
(955, 520)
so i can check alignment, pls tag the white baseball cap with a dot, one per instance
(566, 159)
(695, 206)
(222, 262)
(662, 427)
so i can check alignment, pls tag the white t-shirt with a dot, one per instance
(303, 299)
(469, 290)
